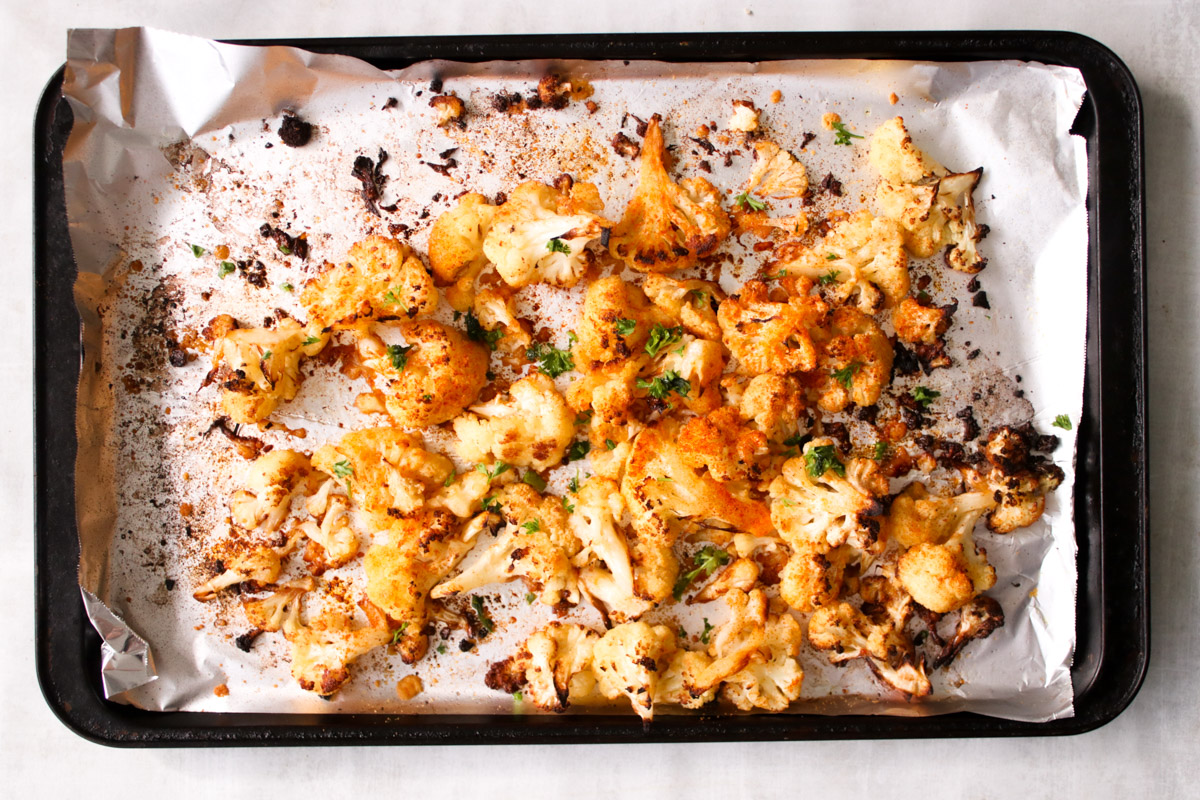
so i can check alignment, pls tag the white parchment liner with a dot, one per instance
(137, 199)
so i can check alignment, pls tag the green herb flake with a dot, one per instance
(664, 384)
(578, 449)
(845, 375)
(441, 648)
(842, 135)
(485, 621)
(266, 356)
(661, 336)
(398, 355)
(610, 444)
(793, 441)
(708, 629)
(390, 297)
(881, 450)
(822, 458)
(197, 250)
(450, 478)
(699, 297)
(925, 396)
(499, 469)
(287, 287)
(778, 276)
(568, 506)
(477, 333)
(531, 478)
(705, 561)
(529, 598)
(428, 398)
(551, 361)
(518, 696)
(557, 245)
(283, 248)
(533, 526)
(343, 469)
(396, 634)
(832, 257)
(310, 340)
(226, 268)
(491, 505)
(829, 277)
(1062, 421)
(573, 484)
(747, 200)
(624, 327)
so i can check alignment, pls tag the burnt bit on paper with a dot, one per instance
(370, 174)
(295, 132)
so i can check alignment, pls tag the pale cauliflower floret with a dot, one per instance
(919, 324)
(456, 248)
(331, 541)
(667, 226)
(693, 303)
(279, 610)
(464, 496)
(770, 337)
(419, 551)
(773, 403)
(855, 364)
(528, 426)
(551, 669)
(385, 471)
(628, 659)
(382, 278)
(323, 650)
(496, 312)
(720, 442)
(257, 368)
(741, 575)
(541, 234)
(440, 374)
(773, 677)
(744, 117)
(830, 507)
(535, 545)
(812, 576)
(776, 172)
(680, 684)
(608, 390)
(700, 363)
(897, 159)
(605, 568)
(945, 577)
(271, 481)
(861, 259)
(916, 517)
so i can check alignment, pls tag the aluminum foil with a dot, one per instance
(174, 146)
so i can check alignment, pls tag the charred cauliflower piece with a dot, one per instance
(861, 260)
(257, 368)
(256, 565)
(430, 380)
(420, 549)
(770, 337)
(1018, 479)
(541, 233)
(920, 324)
(535, 545)
(934, 207)
(456, 248)
(331, 541)
(528, 426)
(272, 480)
(847, 634)
(323, 650)
(812, 576)
(386, 472)
(606, 569)
(628, 659)
(855, 362)
(667, 226)
(693, 303)
(382, 278)
(776, 172)
(552, 668)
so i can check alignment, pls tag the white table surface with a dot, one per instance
(1149, 750)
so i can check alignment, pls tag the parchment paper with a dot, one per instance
(174, 145)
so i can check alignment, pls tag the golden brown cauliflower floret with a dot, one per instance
(776, 172)
(667, 226)
(535, 545)
(945, 577)
(916, 517)
(331, 541)
(257, 368)
(771, 678)
(541, 233)
(897, 159)
(628, 659)
(386, 472)
(919, 324)
(615, 323)
(855, 362)
(770, 337)
(255, 565)
(609, 390)
(324, 649)
(272, 480)
(421, 548)
(861, 259)
(552, 669)
(496, 312)
(606, 569)
(813, 578)
(773, 403)
(450, 110)
(430, 381)
(456, 248)
(721, 442)
(528, 426)
(693, 303)
(382, 278)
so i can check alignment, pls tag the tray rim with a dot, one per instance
(66, 659)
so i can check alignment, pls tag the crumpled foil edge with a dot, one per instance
(126, 661)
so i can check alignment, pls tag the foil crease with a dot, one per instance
(136, 93)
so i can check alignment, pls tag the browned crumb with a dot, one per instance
(829, 119)
(893, 99)
(185, 509)
(409, 687)
(221, 691)
(776, 96)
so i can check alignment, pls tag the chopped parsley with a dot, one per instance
(491, 505)
(478, 333)
(398, 355)
(845, 375)
(1062, 421)
(705, 561)
(396, 634)
(428, 398)
(793, 441)
(568, 506)
(441, 648)
(495, 472)
(843, 136)
(829, 277)
(610, 444)
(578, 449)
(283, 248)
(518, 696)
(197, 250)
(485, 622)
(266, 356)
(573, 484)
(226, 268)
(450, 478)
(822, 458)
(390, 297)
(529, 598)
(531, 478)
(551, 361)
(832, 257)
(664, 384)
(708, 629)
(533, 526)
(584, 418)
(747, 200)
(881, 450)
(699, 298)
(557, 245)
(287, 287)
(624, 327)
(783, 273)
(310, 340)
(343, 469)
(925, 396)
(661, 336)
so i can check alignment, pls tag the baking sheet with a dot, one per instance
(137, 200)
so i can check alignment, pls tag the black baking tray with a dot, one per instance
(1111, 490)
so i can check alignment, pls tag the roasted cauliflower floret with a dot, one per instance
(456, 248)
(257, 368)
(608, 390)
(541, 233)
(722, 443)
(551, 669)
(680, 684)
(271, 481)
(430, 380)
(420, 549)
(861, 259)
(381, 278)
(615, 323)
(820, 502)
(252, 564)
(605, 568)
(920, 324)
(812, 576)
(667, 226)
(386, 472)
(693, 303)
(279, 610)
(773, 403)
(744, 117)
(1018, 480)
(977, 620)
(770, 337)
(331, 541)
(528, 426)
(611, 444)
(772, 678)
(776, 172)
(323, 650)
(496, 312)
(945, 577)
(934, 207)
(855, 363)
(450, 110)
(916, 517)
(847, 633)
(687, 372)
(535, 545)
(628, 659)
